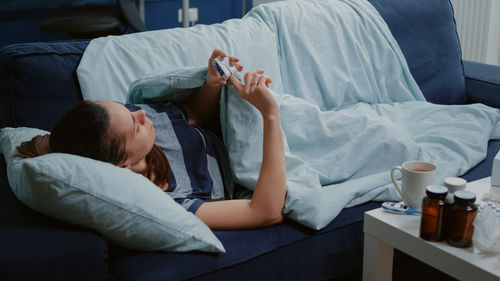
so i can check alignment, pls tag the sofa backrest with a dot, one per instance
(426, 33)
(38, 82)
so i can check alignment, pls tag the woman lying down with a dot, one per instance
(125, 136)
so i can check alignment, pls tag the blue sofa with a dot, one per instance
(38, 84)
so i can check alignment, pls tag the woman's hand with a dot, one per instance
(201, 107)
(213, 76)
(255, 91)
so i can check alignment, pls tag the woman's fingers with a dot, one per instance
(253, 75)
(235, 62)
(253, 79)
(264, 80)
(236, 83)
(239, 67)
(259, 71)
(216, 53)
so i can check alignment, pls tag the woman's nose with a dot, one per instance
(140, 116)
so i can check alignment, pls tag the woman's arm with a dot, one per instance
(202, 106)
(266, 206)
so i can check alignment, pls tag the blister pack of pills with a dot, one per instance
(486, 236)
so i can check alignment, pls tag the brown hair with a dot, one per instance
(38, 145)
(158, 166)
(85, 131)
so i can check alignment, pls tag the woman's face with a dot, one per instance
(134, 127)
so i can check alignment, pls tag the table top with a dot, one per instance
(402, 232)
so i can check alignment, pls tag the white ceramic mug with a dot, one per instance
(415, 177)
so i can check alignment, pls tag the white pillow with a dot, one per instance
(125, 207)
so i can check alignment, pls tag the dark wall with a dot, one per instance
(20, 19)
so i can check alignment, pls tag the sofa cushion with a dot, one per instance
(429, 41)
(482, 83)
(38, 82)
(36, 247)
(483, 168)
(286, 251)
(123, 206)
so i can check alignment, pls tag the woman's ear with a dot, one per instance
(139, 167)
(124, 164)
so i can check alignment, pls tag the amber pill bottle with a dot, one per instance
(463, 213)
(431, 223)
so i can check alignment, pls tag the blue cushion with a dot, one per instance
(36, 247)
(483, 168)
(274, 252)
(429, 41)
(38, 82)
(482, 83)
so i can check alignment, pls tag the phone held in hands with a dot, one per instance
(224, 67)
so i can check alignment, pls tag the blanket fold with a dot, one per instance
(350, 109)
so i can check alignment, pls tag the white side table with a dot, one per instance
(385, 231)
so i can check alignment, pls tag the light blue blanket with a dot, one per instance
(350, 109)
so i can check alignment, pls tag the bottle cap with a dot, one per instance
(464, 195)
(454, 183)
(436, 190)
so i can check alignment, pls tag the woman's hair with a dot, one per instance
(85, 131)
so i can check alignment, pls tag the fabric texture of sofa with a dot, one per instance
(38, 84)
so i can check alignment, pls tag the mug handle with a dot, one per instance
(394, 179)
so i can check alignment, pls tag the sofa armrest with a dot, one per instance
(482, 83)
